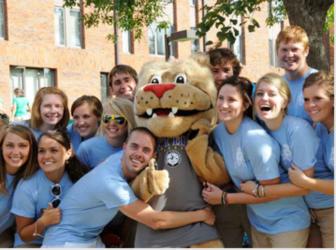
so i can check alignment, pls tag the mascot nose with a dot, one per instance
(159, 89)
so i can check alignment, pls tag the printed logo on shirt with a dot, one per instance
(331, 159)
(240, 161)
(286, 153)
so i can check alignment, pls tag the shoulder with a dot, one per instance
(251, 129)
(30, 184)
(296, 125)
(94, 141)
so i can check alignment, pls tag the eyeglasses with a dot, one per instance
(117, 119)
(56, 191)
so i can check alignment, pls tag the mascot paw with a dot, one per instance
(157, 180)
(203, 126)
(150, 182)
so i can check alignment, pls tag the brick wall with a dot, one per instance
(31, 43)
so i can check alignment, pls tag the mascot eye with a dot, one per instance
(155, 80)
(181, 78)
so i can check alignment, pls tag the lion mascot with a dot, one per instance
(176, 101)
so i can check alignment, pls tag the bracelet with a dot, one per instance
(261, 191)
(223, 198)
(255, 190)
(262, 194)
(36, 234)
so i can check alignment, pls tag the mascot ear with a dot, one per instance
(201, 58)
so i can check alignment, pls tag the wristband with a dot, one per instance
(255, 190)
(36, 234)
(223, 198)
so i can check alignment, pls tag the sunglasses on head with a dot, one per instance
(117, 119)
(56, 191)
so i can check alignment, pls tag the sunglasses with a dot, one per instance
(56, 191)
(117, 119)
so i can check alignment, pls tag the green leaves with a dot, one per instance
(228, 16)
(132, 15)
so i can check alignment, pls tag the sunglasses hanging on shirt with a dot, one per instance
(56, 191)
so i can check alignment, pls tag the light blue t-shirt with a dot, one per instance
(74, 136)
(91, 203)
(296, 105)
(95, 150)
(324, 168)
(298, 142)
(33, 195)
(251, 154)
(6, 218)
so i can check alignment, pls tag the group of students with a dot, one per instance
(276, 138)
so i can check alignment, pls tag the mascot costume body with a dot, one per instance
(176, 101)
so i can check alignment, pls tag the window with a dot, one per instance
(2, 19)
(104, 86)
(273, 32)
(127, 42)
(31, 79)
(68, 27)
(157, 39)
(195, 45)
(238, 47)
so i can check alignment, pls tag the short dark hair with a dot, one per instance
(225, 55)
(94, 103)
(145, 131)
(122, 68)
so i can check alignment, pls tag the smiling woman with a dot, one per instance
(117, 120)
(49, 111)
(36, 200)
(86, 112)
(18, 160)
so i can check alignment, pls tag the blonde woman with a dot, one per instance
(117, 121)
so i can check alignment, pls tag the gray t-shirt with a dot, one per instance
(183, 194)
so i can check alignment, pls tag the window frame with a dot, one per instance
(67, 29)
(4, 35)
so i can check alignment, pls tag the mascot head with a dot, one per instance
(171, 96)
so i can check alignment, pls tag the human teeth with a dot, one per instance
(171, 115)
(174, 110)
(149, 111)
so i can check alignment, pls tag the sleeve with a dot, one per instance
(23, 201)
(116, 193)
(304, 144)
(212, 142)
(83, 154)
(263, 153)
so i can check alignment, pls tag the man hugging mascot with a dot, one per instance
(176, 101)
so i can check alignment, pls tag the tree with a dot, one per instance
(135, 14)
(309, 14)
(131, 14)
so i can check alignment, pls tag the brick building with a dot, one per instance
(44, 44)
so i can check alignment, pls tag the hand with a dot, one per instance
(158, 180)
(297, 176)
(209, 216)
(248, 186)
(203, 126)
(50, 216)
(211, 194)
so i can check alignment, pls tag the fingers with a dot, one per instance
(151, 164)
